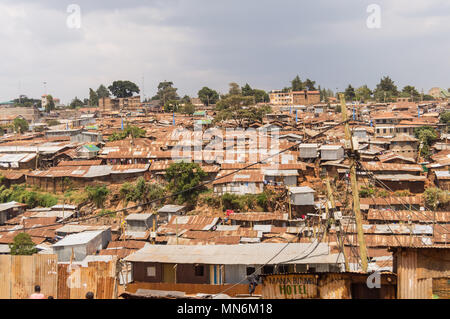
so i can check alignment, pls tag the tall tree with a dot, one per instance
(349, 93)
(50, 104)
(76, 102)
(93, 97)
(166, 92)
(363, 93)
(261, 96)
(386, 90)
(102, 91)
(247, 90)
(234, 89)
(297, 84)
(123, 88)
(208, 96)
(411, 92)
(310, 85)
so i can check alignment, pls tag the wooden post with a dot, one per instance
(354, 184)
(339, 233)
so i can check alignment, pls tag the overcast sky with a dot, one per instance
(197, 43)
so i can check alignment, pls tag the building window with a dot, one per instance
(250, 270)
(151, 271)
(199, 270)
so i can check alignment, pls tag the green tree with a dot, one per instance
(297, 84)
(50, 104)
(123, 88)
(182, 177)
(102, 92)
(93, 97)
(436, 198)
(166, 92)
(427, 136)
(22, 245)
(363, 93)
(386, 90)
(247, 90)
(411, 92)
(189, 109)
(141, 191)
(349, 93)
(208, 96)
(235, 107)
(97, 194)
(261, 96)
(20, 125)
(310, 85)
(445, 117)
(76, 102)
(185, 99)
(234, 89)
(129, 130)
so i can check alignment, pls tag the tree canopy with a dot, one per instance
(20, 125)
(208, 96)
(297, 84)
(93, 97)
(22, 245)
(76, 102)
(385, 90)
(102, 92)
(123, 88)
(350, 93)
(182, 177)
(166, 92)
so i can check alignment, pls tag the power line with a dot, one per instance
(183, 191)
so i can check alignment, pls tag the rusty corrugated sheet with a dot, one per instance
(19, 275)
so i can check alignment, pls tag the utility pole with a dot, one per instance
(339, 234)
(352, 156)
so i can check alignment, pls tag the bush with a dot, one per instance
(182, 177)
(32, 199)
(436, 197)
(97, 194)
(140, 191)
(22, 245)
(134, 131)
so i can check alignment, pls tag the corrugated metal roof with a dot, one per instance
(78, 239)
(243, 254)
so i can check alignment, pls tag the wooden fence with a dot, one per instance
(19, 275)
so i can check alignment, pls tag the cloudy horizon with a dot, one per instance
(196, 43)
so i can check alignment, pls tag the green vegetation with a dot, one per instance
(208, 96)
(22, 245)
(427, 136)
(369, 191)
(97, 194)
(76, 102)
(386, 90)
(122, 89)
(141, 191)
(93, 97)
(50, 104)
(32, 199)
(436, 198)
(445, 117)
(20, 125)
(102, 92)
(53, 122)
(129, 130)
(349, 93)
(183, 176)
(165, 93)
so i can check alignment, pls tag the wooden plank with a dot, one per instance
(5, 276)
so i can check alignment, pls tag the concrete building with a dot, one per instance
(302, 196)
(331, 152)
(81, 244)
(309, 150)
